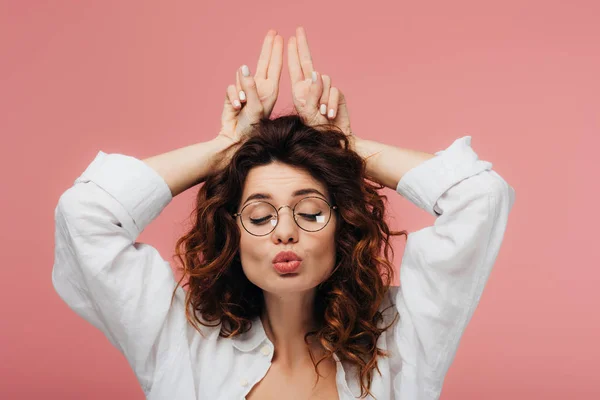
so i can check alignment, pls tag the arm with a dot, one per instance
(388, 164)
(121, 286)
(445, 266)
(183, 168)
(313, 94)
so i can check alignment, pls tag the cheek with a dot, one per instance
(318, 249)
(321, 252)
(250, 251)
(253, 251)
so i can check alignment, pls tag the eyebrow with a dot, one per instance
(297, 193)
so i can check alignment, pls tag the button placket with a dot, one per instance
(266, 350)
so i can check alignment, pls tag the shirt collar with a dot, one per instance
(251, 339)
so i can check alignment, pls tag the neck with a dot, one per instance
(286, 319)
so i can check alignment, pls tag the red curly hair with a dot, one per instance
(347, 303)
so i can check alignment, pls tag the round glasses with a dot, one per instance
(260, 218)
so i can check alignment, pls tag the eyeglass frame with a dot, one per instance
(239, 214)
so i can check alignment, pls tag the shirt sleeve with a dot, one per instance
(120, 286)
(445, 266)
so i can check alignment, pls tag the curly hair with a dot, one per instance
(347, 303)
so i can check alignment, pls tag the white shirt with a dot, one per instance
(124, 287)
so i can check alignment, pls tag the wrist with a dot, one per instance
(222, 140)
(219, 146)
(369, 151)
(354, 140)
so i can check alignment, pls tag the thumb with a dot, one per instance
(230, 112)
(342, 118)
(343, 113)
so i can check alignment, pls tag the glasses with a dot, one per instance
(260, 218)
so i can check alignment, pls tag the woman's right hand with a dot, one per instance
(253, 98)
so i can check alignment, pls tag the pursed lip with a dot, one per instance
(284, 256)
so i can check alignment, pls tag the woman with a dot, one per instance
(288, 294)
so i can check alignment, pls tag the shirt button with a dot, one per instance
(244, 382)
(266, 350)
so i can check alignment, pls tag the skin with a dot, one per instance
(286, 318)
(287, 315)
(314, 97)
(288, 298)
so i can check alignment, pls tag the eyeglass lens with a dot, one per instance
(311, 214)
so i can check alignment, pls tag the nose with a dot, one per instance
(286, 229)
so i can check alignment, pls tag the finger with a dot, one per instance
(342, 108)
(332, 109)
(304, 53)
(294, 67)
(238, 84)
(265, 54)
(230, 111)
(316, 91)
(248, 84)
(325, 96)
(233, 97)
(276, 61)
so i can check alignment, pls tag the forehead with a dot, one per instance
(279, 181)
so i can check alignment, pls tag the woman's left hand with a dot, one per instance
(316, 101)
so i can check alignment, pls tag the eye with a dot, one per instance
(260, 221)
(310, 217)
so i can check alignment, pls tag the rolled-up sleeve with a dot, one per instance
(120, 286)
(445, 266)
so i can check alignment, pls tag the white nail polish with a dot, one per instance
(314, 76)
(323, 109)
(242, 95)
(236, 103)
(245, 70)
(331, 113)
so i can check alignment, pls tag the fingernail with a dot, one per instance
(323, 109)
(243, 96)
(236, 103)
(245, 70)
(331, 113)
(314, 76)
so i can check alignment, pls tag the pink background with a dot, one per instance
(142, 78)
